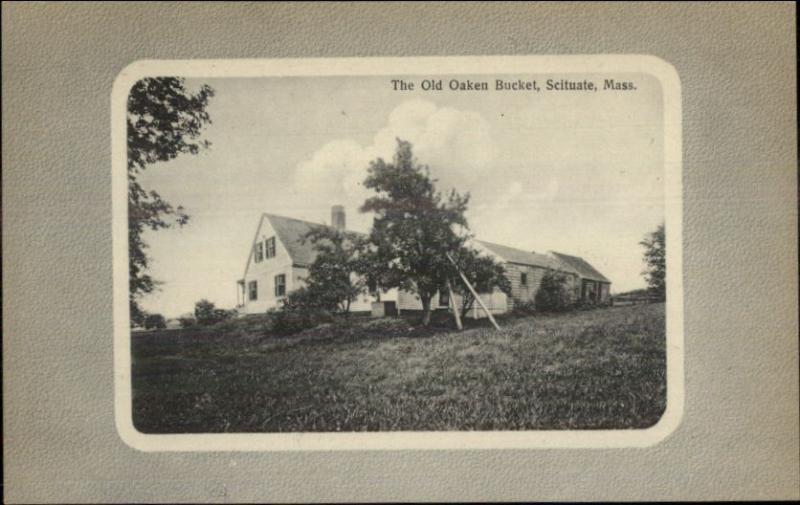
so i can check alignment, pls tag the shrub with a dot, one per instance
(207, 314)
(553, 295)
(225, 315)
(347, 330)
(291, 321)
(299, 311)
(523, 308)
(243, 327)
(154, 321)
(187, 322)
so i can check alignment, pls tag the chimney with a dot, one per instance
(337, 217)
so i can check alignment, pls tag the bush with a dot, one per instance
(523, 308)
(154, 321)
(553, 295)
(249, 327)
(187, 322)
(348, 330)
(288, 321)
(207, 314)
(299, 311)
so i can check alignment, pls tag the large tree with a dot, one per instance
(164, 121)
(655, 272)
(415, 226)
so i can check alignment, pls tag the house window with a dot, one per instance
(252, 289)
(259, 252)
(444, 298)
(523, 279)
(280, 285)
(269, 245)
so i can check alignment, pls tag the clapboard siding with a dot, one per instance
(409, 301)
(527, 293)
(497, 302)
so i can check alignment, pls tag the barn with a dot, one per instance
(279, 259)
(594, 287)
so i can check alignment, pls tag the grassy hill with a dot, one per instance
(598, 369)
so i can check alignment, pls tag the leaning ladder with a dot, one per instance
(472, 290)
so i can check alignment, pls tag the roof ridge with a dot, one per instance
(526, 251)
(269, 214)
(580, 264)
(312, 223)
(506, 246)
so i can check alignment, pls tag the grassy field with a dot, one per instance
(597, 369)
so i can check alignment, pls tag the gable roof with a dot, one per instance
(513, 255)
(583, 267)
(291, 232)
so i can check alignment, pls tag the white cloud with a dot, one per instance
(455, 144)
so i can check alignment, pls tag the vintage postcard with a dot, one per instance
(397, 253)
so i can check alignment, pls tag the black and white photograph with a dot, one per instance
(378, 253)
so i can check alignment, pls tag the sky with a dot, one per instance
(575, 172)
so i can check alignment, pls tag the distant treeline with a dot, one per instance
(636, 296)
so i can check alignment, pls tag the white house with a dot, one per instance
(279, 258)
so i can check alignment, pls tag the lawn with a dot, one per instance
(594, 369)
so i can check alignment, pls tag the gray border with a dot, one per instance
(739, 435)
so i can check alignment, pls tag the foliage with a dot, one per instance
(164, 120)
(299, 311)
(483, 272)
(414, 227)
(524, 308)
(187, 322)
(553, 294)
(154, 321)
(137, 315)
(336, 277)
(206, 313)
(655, 260)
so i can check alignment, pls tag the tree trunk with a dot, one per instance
(469, 301)
(426, 310)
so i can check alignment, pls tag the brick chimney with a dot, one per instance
(337, 217)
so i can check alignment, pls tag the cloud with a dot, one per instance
(457, 146)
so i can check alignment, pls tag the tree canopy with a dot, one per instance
(655, 272)
(483, 272)
(415, 226)
(336, 277)
(164, 120)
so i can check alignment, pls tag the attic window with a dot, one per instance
(523, 279)
(269, 245)
(259, 252)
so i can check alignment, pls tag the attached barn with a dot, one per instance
(279, 258)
